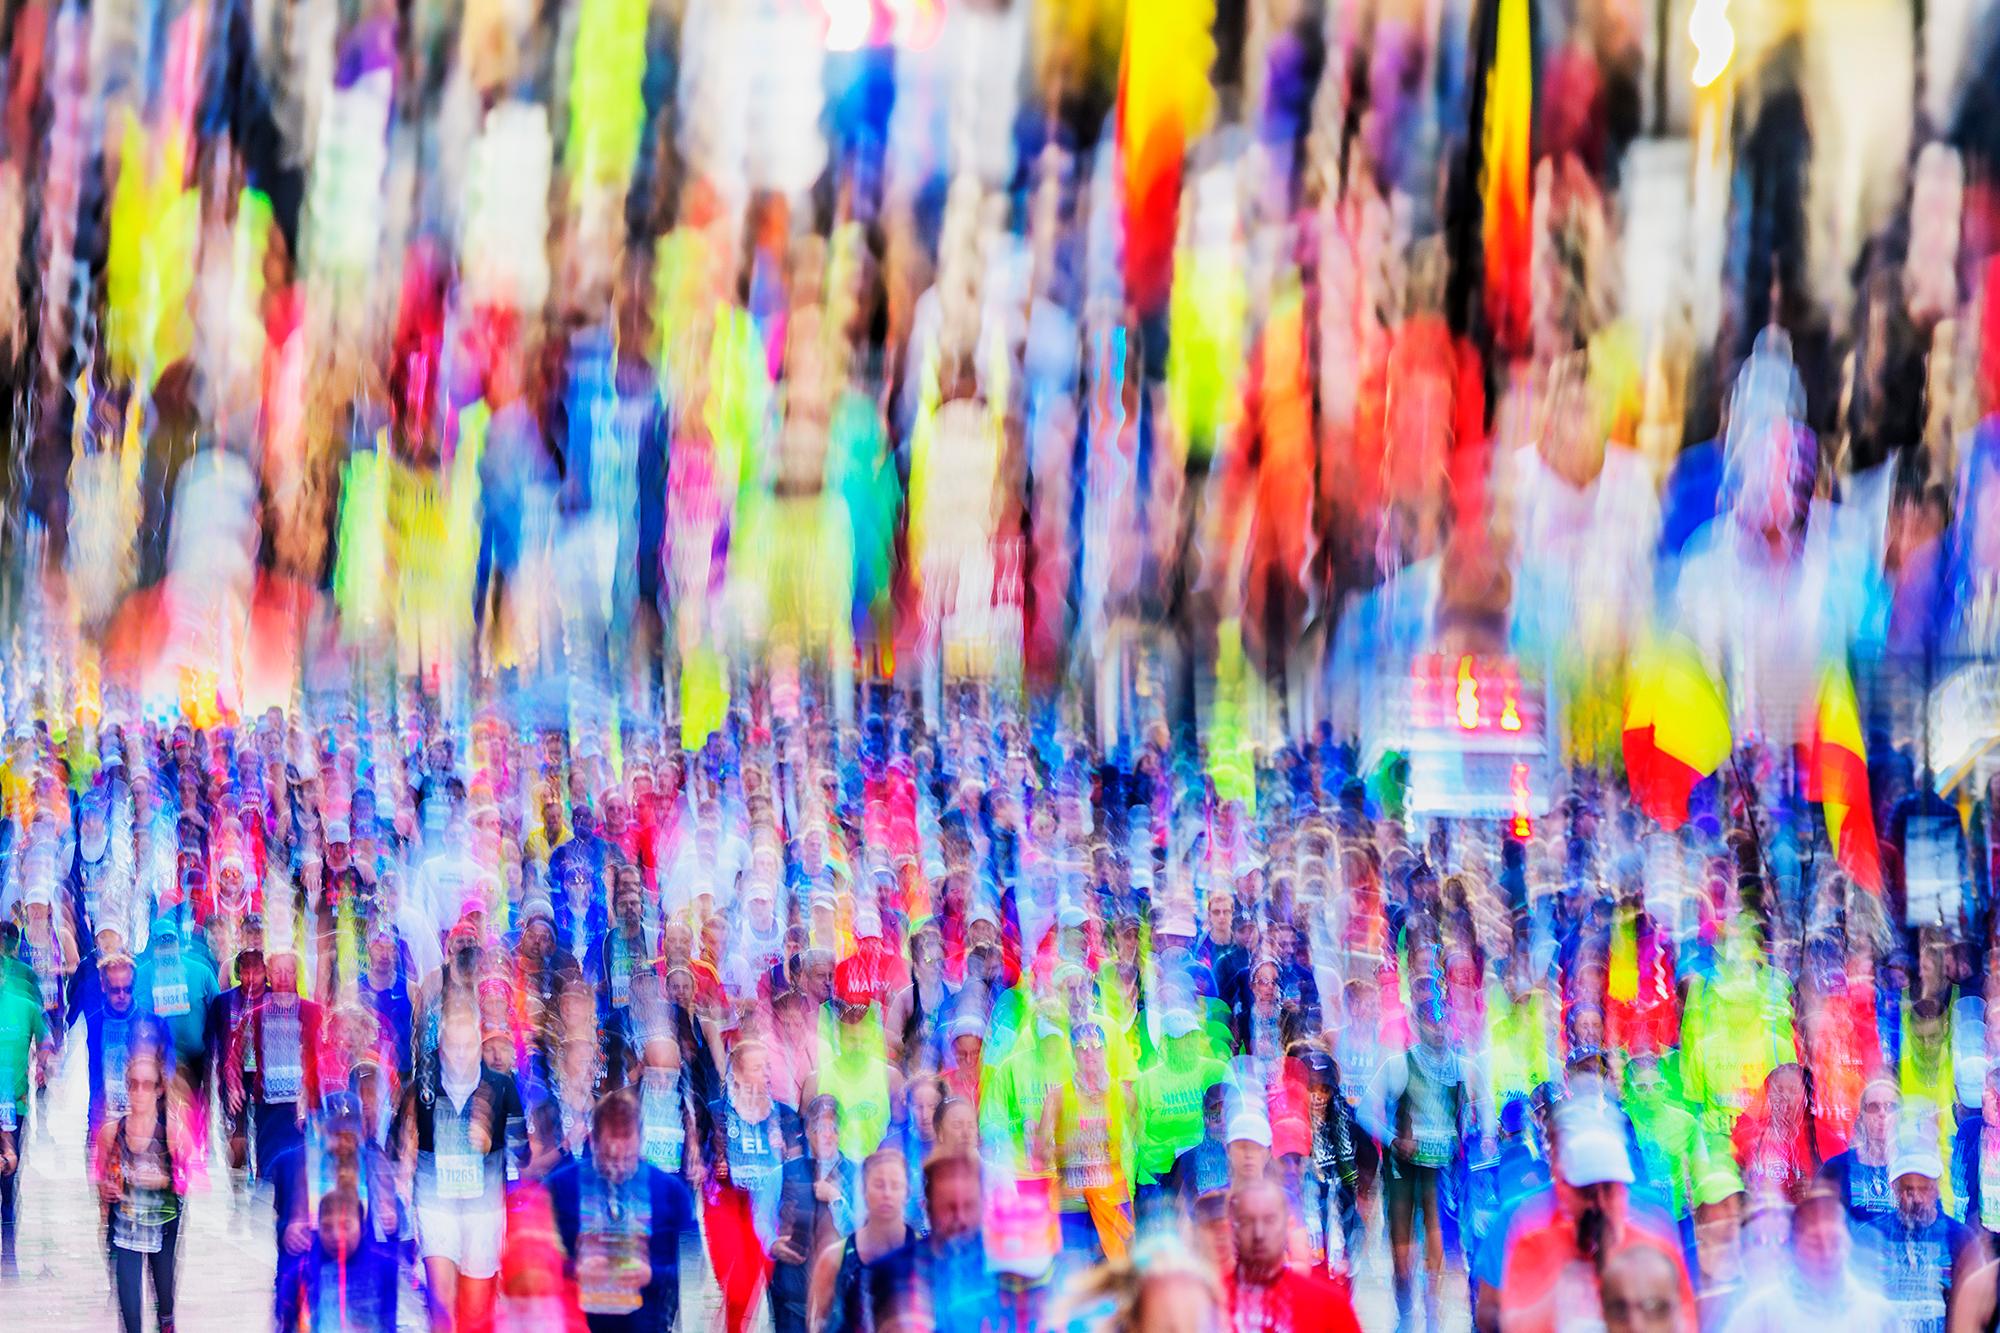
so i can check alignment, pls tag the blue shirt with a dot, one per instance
(651, 1205)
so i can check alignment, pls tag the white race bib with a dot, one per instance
(116, 1096)
(170, 994)
(665, 1134)
(460, 1172)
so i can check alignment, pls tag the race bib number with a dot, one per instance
(621, 985)
(460, 1173)
(1435, 1149)
(282, 1081)
(665, 1135)
(10, 1116)
(170, 994)
(283, 1074)
(115, 1094)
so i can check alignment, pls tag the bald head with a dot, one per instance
(1642, 1292)
(1257, 1215)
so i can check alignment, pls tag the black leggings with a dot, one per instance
(130, 1267)
(10, 1193)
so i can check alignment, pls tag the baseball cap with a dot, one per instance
(1179, 1022)
(1593, 1153)
(1248, 1126)
(1719, 1182)
(343, 1111)
(1916, 1159)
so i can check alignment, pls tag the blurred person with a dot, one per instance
(1087, 1121)
(462, 1123)
(952, 1260)
(957, 1128)
(24, 1043)
(1421, 1105)
(1818, 1287)
(1552, 1266)
(1643, 1293)
(1863, 1169)
(875, 1268)
(1719, 1274)
(819, 1197)
(1671, 1144)
(272, 1067)
(621, 1220)
(1917, 1252)
(117, 1028)
(750, 1138)
(1162, 1287)
(176, 985)
(1778, 1141)
(350, 1281)
(1261, 1293)
(1976, 1157)
(138, 1155)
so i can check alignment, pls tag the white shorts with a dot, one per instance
(467, 1232)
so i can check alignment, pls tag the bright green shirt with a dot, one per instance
(1168, 1104)
(1674, 1149)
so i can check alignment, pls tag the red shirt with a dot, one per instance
(1292, 1303)
(1546, 1276)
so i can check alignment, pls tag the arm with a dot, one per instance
(232, 1063)
(1486, 1311)
(514, 1124)
(1392, 1076)
(823, 1291)
(1972, 1295)
(104, 1158)
(406, 1142)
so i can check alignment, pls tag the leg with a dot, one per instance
(441, 1283)
(163, 1264)
(10, 1194)
(1433, 1246)
(131, 1294)
(476, 1297)
(290, 1291)
(1401, 1193)
(737, 1256)
(788, 1298)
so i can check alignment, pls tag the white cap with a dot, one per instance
(1592, 1154)
(1916, 1159)
(1248, 1126)
(1179, 1022)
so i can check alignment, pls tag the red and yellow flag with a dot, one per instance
(1164, 104)
(1510, 111)
(1676, 727)
(1837, 777)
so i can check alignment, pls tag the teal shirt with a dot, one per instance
(176, 993)
(22, 1027)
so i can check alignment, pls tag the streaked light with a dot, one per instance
(1468, 695)
(1714, 40)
